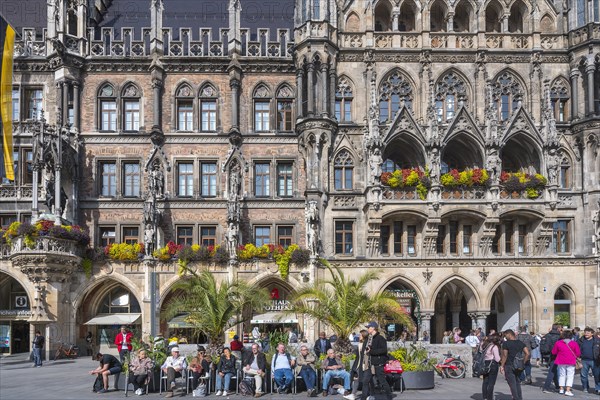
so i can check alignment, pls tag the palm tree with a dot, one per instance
(212, 307)
(343, 304)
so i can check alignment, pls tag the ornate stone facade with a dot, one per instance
(287, 133)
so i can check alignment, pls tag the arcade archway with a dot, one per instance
(511, 306)
(409, 299)
(453, 303)
(14, 312)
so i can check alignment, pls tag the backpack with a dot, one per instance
(247, 387)
(98, 384)
(480, 365)
(518, 364)
(547, 343)
(526, 339)
(200, 391)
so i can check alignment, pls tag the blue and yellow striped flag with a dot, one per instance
(7, 45)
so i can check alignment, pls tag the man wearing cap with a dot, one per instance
(377, 355)
(173, 366)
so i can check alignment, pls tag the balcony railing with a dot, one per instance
(472, 193)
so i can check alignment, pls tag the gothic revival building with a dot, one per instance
(452, 145)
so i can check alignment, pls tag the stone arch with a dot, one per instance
(183, 89)
(406, 149)
(19, 302)
(410, 15)
(547, 24)
(383, 16)
(464, 16)
(438, 11)
(454, 154)
(408, 281)
(465, 285)
(493, 14)
(565, 303)
(104, 86)
(352, 22)
(131, 89)
(521, 151)
(285, 90)
(505, 312)
(401, 286)
(518, 21)
(208, 89)
(88, 286)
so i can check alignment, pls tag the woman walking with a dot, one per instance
(225, 371)
(566, 352)
(491, 352)
(359, 364)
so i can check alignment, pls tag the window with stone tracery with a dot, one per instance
(107, 105)
(184, 102)
(508, 93)
(285, 101)
(208, 108)
(343, 101)
(560, 100)
(131, 108)
(343, 166)
(395, 92)
(450, 91)
(262, 106)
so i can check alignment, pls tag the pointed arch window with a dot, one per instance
(395, 91)
(343, 101)
(131, 108)
(449, 92)
(184, 101)
(262, 105)
(566, 177)
(343, 166)
(208, 108)
(285, 102)
(72, 17)
(560, 100)
(107, 100)
(508, 94)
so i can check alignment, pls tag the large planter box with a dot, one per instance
(418, 380)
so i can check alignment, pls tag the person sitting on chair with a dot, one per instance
(140, 369)
(306, 369)
(199, 367)
(109, 365)
(225, 371)
(282, 365)
(333, 368)
(255, 364)
(173, 366)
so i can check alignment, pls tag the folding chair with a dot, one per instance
(206, 379)
(127, 383)
(264, 380)
(163, 379)
(274, 385)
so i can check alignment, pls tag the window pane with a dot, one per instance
(185, 235)
(347, 110)
(107, 236)
(385, 239)
(184, 115)
(16, 102)
(560, 237)
(109, 116)
(338, 110)
(261, 116)
(109, 179)
(262, 235)
(450, 107)
(453, 226)
(132, 180)
(441, 237)
(343, 238)
(185, 179)
(508, 237)
(261, 179)
(398, 231)
(208, 236)
(132, 115)
(284, 180)
(33, 102)
(209, 179)
(467, 233)
(411, 239)
(285, 236)
(209, 115)
(130, 235)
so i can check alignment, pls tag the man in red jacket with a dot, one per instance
(123, 342)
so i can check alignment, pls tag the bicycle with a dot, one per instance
(451, 367)
(68, 352)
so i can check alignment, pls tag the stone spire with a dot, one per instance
(235, 43)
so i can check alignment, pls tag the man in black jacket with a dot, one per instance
(255, 364)
(546, 346)
(589, 345)
(322, 345)
(377, 353)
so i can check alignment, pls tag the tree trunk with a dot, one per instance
(343, 346)
(215, 346)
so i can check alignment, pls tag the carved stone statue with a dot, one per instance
(156, 180)
(232, 239)
(50, 195)
(312, 227)
(434, 160)
(234, 181)
(553, 166)
(493, 164)
(149, 239)
(596, 221)
(375, 161)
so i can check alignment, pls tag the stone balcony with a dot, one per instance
(46, 259)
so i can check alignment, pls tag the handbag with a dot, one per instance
(393, 367)
(578, 363)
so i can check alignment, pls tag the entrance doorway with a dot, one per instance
(511, 307)
(453, 303)
(14, 313)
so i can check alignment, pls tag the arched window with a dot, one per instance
(343, 101)
(262, 105)
(562, 306)
(508, 93)
(566, 173)
(119, 301)
(343, 166)
(449, 92)
(493, 13)
(395, 91)
(516, 20)
(71, 20)
(383, 16)
(581, 12)
(184, 101)
(130, 98)
(285, 102)
(389, 166)
(352, 23)
(463, 14)
(107, 105)
(560, 100)
(406, 22)
(208, 108)
(437, 17)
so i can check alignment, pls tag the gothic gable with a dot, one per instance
(522, 122)
(463, 122)
(404, 124)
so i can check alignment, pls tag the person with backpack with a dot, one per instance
(490, 352)
(512, 363)
(546, 345)
(281, 365)
(589, 344)
(526, 338)
(535, 351)
(566, 352)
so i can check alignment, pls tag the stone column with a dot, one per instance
(34, 192)
(299, 91)
(332, 86)
(590, 69)
(311, 89)
(325, 89)
(574, 93)
(59, 102)
(235, 96)
(450, 24)
(482, 321)
(156, 88)
(65, 103)
(76, 110)
(455, 317)
(426, 323)
(473, 317)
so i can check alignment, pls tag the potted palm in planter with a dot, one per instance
(418, 367)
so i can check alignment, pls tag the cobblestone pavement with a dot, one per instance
(69, 379)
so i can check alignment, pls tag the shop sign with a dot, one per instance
(15, 313)
(21, 301)
(278, 305)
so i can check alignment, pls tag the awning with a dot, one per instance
(180, 322)
(114, 319)
(274, 318)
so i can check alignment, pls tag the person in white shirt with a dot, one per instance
(473, 341)
(281, 365)
(173, 366)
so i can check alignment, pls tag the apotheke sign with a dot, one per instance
(278, 305)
